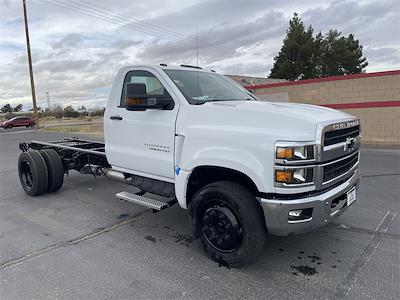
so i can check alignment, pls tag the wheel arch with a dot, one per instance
(205, 174)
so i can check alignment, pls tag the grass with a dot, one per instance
(80, 129)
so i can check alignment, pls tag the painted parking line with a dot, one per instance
(15, 132)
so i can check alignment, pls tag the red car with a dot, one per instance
(18, 122)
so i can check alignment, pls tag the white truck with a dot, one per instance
(242, 167)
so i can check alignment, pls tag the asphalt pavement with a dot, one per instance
(82, 243)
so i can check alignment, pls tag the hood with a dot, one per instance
(285, 121)
(299, 111)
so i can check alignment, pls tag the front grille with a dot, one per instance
(339, 136)
(338, 168)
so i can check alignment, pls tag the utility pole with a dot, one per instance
(28, 46)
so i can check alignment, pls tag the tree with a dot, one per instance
(6, 108)
(296, 57)
(18, 108)
(70, 112)
(304, 56)
(340, 55)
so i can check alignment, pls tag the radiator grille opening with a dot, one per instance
(338, 168)
(339, 136)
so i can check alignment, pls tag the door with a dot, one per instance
(20, 122)
(142, 142)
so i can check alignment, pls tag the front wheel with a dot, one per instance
(230, 223)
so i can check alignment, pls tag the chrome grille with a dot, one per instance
(338, 168)
(341, 135)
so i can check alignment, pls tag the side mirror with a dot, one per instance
(137, 99)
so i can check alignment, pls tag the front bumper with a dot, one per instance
(323, 211)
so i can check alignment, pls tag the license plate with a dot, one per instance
(351, 196)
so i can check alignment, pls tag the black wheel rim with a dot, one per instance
(221, 227)
(26, 174)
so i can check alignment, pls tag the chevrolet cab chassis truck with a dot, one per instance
(242, 167)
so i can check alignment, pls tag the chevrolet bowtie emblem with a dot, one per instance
(350, 143)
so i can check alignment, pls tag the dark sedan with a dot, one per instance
(18, 122)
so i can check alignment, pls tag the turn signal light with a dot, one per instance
(284, 152)
(284, 176)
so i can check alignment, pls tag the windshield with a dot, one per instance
(202, 87)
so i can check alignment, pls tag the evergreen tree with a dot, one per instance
(18, 108)
(341, 55)
(296, 58)
(7, 108)
(304, 56)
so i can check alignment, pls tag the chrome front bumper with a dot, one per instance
(276, 212)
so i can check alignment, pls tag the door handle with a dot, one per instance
(116, 118)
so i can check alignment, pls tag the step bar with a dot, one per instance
(144, 201)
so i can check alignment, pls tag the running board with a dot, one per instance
(144, 201)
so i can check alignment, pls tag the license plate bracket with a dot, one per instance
(351, 196)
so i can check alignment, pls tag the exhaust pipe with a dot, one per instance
(116, 175)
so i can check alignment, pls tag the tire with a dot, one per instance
(230, 223)
(32, 172)
(55, 169)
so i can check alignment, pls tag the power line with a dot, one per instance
(135, 20)
(105, 16)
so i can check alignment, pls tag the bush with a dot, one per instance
(98, 112)
(69, 112)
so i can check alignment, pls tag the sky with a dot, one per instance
(78, 46)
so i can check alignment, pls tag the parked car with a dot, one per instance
(242, 167)
(18, 122)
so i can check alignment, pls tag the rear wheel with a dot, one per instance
(55, 169)
(32, 172)
(229, 221)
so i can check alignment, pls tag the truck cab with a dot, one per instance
(241, 166)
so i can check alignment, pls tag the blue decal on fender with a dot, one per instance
(177, 170)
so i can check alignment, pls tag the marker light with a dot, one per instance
(284, 152)
(284, 176)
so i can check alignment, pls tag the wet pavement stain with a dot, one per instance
(314, 257)
(122, 216)
(305, 270)
(150, 238)
(184, 239)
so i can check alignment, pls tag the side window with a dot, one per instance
(151, 86)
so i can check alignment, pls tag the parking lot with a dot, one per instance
(82, 243)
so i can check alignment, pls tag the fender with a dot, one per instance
(241, 161)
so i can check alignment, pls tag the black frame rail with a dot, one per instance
(74, 152)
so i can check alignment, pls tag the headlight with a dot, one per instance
(294, 176)
(294, 152)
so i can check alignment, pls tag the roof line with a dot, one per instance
(325, 79)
